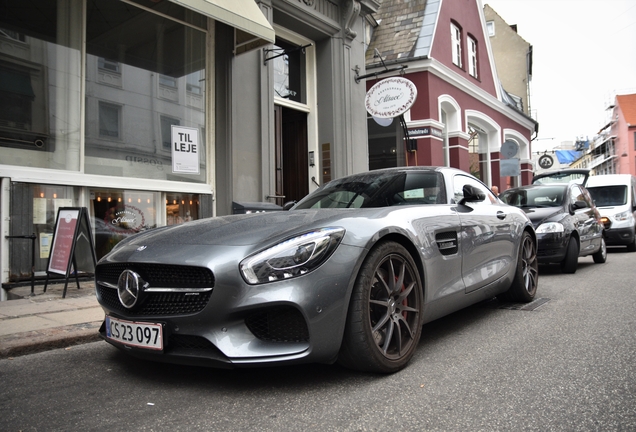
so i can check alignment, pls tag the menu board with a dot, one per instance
(63, 240)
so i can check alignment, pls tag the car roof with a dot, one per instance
(609, 180)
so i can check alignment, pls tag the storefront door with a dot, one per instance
(292, 179)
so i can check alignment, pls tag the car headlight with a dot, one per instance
(550, 227)
(623, 216)
(291, 258)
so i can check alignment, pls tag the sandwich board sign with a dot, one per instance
(72, 248)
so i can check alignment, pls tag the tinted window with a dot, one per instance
(547, 196)
(378, 190)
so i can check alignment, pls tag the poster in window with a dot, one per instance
(185, 150)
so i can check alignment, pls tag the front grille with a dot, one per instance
(156, 303)
(157, 276)
(279, 324)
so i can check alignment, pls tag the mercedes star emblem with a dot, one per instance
(129, 286)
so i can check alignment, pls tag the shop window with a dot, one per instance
(181, 208)
(472, 57)
(33, 211)
(456, 47)
(117, 214)
(160, 56)
(39, 84)
(109, 120)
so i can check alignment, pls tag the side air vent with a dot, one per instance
(447, 242)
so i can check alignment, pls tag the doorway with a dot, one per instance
(292, 177)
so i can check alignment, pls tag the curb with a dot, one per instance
(43, 340)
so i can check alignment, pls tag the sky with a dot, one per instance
(584, 54)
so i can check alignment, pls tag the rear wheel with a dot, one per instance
(601, 255)
(384, 323)
(524, 284)
(571, 260)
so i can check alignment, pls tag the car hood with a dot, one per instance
(244, 230)
(539, 215)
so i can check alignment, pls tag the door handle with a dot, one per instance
(501, 215)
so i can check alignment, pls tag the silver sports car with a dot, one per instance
(349, 274)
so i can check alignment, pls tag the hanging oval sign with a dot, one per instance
(390, 97)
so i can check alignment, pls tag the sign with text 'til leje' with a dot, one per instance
(185, 150)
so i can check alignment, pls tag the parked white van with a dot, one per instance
(615, 198)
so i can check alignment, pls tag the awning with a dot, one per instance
(252, 28)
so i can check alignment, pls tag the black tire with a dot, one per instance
(601, 255)
(571, 260)
(526, 279)
(632, 246)
(384, 322)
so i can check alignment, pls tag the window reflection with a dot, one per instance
(144, 73)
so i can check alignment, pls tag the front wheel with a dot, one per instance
(571, 260)
(526, 279)
(601, 255)
(384, 323)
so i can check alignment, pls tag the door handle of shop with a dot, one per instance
(501, 215)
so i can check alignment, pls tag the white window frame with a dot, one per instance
(490, 25)
(472, 56)
(456, 38)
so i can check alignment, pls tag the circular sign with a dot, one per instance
(390, 97)
(546, 161)
(509, 149)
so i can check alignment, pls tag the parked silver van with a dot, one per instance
(615, 198)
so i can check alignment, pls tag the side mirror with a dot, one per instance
(577, 205)
(472, 194)
(288, 205)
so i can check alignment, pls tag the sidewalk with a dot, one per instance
(45, 321)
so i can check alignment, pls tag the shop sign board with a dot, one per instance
(185, 150)
(390, 97)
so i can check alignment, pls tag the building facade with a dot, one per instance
(158, 112)
(462, 116)
(613, 150)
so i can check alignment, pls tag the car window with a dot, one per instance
(544, 196)
(459, 181)
(407, 188)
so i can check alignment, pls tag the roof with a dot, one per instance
(627, 104)
(401, 23)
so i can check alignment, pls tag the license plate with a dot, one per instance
(143, 335)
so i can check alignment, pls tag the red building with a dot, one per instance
(462, 115)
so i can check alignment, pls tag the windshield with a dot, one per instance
(547, 196)
(562, 177)
(609, 196)
(380, 189)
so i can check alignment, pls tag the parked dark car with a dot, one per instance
(564, 216)
(349, 274)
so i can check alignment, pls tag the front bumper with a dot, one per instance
(291, 321)
(619, 236)
(551, 247)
